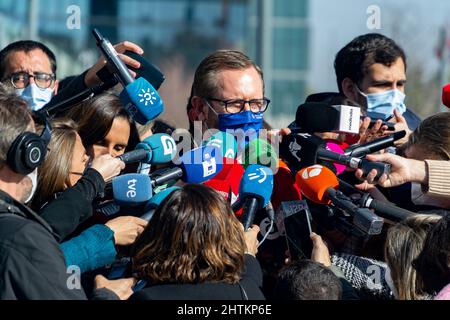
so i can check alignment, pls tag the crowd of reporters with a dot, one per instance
(68, 229)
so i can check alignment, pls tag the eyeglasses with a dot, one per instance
(238, 105)
(21, 80)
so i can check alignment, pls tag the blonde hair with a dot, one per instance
(54, 173)
(404, 242)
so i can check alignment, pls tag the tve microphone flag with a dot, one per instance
(132, 189)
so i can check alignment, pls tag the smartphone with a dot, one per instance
(298, 228)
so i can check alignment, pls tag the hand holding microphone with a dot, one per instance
(402, 170)
(108, 166)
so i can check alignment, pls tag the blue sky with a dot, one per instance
(335, 23)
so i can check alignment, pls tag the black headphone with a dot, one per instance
(28, 150)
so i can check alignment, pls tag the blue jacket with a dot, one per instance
(92, 249)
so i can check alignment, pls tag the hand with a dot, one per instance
(402, 170)
(320, 251)
(366, 135)
(91, 78)
(121, 287)
(401, 124)
(108, 166)
(251, 240)
(126, 229)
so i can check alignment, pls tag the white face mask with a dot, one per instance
(36, 97)
(419, 198)
(33, 176)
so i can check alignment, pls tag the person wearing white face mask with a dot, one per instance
(30, 67)
(371, 70)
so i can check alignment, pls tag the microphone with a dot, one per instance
(135, 156)
(284, 187)
(260, 152)
(446, 95)
(303, 150)
(361, 150)
(196, 166)
(139, 97)
(323, 117)
(254, 192)
(131, 189)
(155, 201)
(319, 185)
(384, 209)
(225, 142)
(160, 148)
(227, 181)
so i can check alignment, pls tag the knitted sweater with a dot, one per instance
(438, 177)
(92, 249)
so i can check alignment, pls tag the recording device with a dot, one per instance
(139, 97)
(361, 150)
(319, 184)
(384, 209)
(297, 224)
(254, 192)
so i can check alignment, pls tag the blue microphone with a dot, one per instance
(255, 191)
(132, 189)
(155, 201)
(225, 142)
(196, 166)
(161, 148)
(139, 97)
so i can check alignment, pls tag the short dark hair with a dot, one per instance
(432, 263)
(356, 57)
(307, 280)
(26, 46)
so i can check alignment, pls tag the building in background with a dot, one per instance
(176, 35)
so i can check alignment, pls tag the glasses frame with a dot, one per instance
(28, 76)
(243, 102)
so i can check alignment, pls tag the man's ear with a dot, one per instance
(349, 90)
(197, 112)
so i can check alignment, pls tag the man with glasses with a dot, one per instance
(227, 94)
(30, 67)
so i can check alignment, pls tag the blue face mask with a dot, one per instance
(385, 102)
(245, 121)
(35, 96)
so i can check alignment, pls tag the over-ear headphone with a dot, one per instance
(28, 150)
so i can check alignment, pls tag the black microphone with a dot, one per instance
(116, 64)
(385, 209)
(304, 150)
(361, 150)
(138, 155)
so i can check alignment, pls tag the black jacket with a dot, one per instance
(32, 265)
(251, 282)
(73, 206)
